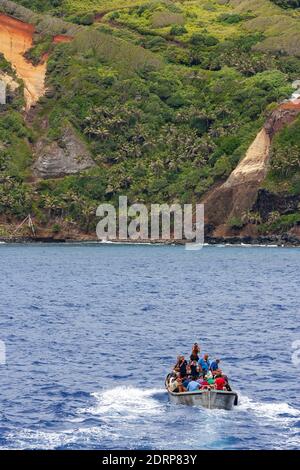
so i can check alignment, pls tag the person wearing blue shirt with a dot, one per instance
(204, 363)
(193, 386)
(214, 366)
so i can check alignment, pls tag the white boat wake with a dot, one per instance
(130, 411)
(126, 402)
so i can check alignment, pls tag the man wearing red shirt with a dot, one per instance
(220, 383)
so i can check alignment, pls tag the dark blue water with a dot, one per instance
(91, 331)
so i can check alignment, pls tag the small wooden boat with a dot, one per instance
(211, 399)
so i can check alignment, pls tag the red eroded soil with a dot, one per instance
(291, 105)
(16, 37)
(61, 38)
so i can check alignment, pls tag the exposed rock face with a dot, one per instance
(15, 39)
(281, 117)
(67, 157)
(239, 193)
(253, 166)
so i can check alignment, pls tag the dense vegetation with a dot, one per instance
(288, 3)
(167, 95)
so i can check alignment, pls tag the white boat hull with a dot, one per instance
(211, 399)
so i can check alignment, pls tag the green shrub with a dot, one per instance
(56, 228)
(42, 46)
(236, 223)
(285, 161)
(178, 30)
(287, 3)
(284, 223)
(222, 167)
(228, 18)
(198, 39)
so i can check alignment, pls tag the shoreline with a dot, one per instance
(282, 241)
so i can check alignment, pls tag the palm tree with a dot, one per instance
(50, 204)
(249, 217)
(88, 211)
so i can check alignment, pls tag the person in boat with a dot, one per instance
(203, 383)
(181, 366)
(195, 352)
(227, 386)
(181, 387)
(204, 363)
(186, 381)
(193, 385)
(215, 367)
(220, 383)
(173, 383)
(210, 379)
(176, 367)
(195, 369)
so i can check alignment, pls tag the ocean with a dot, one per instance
(89, 332)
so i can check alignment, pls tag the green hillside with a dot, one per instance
(166, 95)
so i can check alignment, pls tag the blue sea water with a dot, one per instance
(92, 330)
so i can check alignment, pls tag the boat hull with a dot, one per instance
(210, 399)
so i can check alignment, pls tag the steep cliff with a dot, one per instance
(142, 106)
(239, 192)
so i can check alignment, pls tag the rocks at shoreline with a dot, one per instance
(286, 240)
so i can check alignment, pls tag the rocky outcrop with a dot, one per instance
(239, 193)
(281, 117)
(285, 239)
(68, 156)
